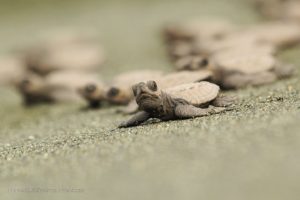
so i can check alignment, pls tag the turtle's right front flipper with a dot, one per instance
(137, 119)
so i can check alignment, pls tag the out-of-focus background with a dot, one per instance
(46, 151)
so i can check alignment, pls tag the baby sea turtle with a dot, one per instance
(171, 80)
(269, 8)
(181, 38)
(180, 102)
(94, 93)
(61, 50)
(234, 69)
(279, 9)
(120, 91)
(241, 70)
(291, 11)
(78, 56)
(280, 34)
(273, 36)
(198, 29)
(11, 69)
(196, 62)
(59, 86)
(239, 42)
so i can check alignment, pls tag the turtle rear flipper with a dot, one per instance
(190, 111)
(284, 70)
(224, 101)
(236, 81)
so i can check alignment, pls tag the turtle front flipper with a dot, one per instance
(190, 111)
(137, 119)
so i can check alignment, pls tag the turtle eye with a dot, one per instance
(113, 92)
(152, 85)
(204, 62)
(90, 88)
(25, 82)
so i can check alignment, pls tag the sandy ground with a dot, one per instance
(62, 152)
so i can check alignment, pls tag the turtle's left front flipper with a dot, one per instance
(137, 119)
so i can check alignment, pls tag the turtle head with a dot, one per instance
(119, 95)
(92, 93)
(147, 95)
(192, 63)
(33, 90)
(30, 84)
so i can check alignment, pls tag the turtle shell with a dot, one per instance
(236, 39)
(76, 56)
(277, 33)
(64, 85)
(246, 48)
(11, 69)
(183, 77)
(64, 50)
(207, 29)
(195, 93)
(245, 63)
(269, 8)
(291, 11)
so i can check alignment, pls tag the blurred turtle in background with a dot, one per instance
(11, 68)
(180, 38)
(64, 51)
(279, 9)
(94, 93)
(271, 36)
(61, 86)
(244, 57)
(238, 69)
(120, 91)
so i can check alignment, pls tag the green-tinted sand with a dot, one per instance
(249, 153)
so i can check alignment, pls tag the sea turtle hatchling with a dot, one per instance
(11, 69)
(94, 93)
(279, 9)
(180, 102)
(83, 57)
(232, 72)
(180, 38)
(59, 86)
(280, 34)
(234, 69)
(171, 80)
(198, 61)
(64, 50)
(120, 91)
(213, 29)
